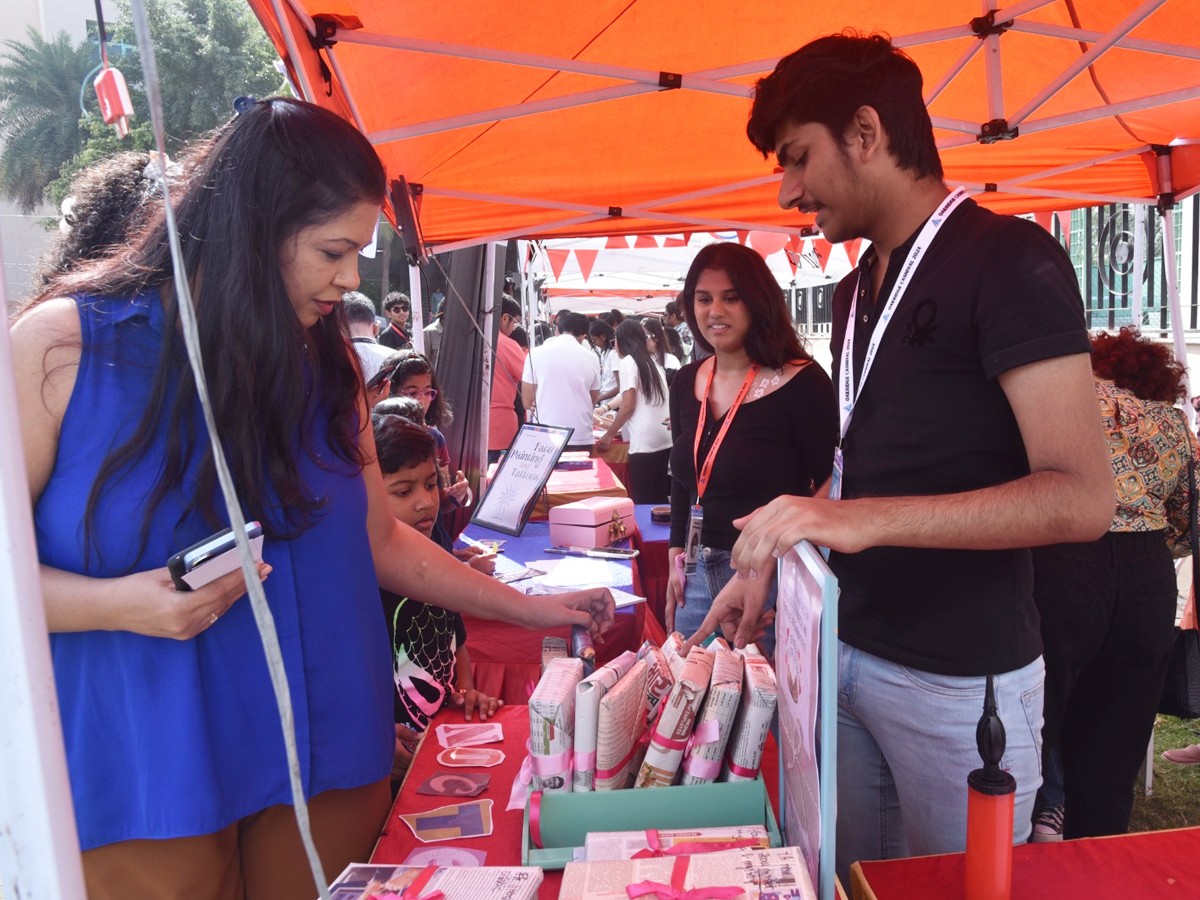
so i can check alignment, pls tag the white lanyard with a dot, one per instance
(848, 395)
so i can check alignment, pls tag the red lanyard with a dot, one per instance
(703, 473)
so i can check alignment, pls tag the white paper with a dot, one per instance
(754, 717)
(621, 722)
(759, 873)
(588, 694)
(601, 845)
(552, 725)
(222, 564)
(675, 721)
(360, 881)
(583, 571)
(702, 763)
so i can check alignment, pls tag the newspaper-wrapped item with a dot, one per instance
(670, 734)
(620, 729)
(363, 881)
(744, 753)
(680, 841)
(552, 724)
(588, 694)
(759, 874)
(706, 750)
(673, 648)
(659, 678)
(553, 648)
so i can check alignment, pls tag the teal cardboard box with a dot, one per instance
(566, 819)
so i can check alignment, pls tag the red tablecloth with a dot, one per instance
(506, 660)
(569, 485)
(1145, 866)
(503, 846)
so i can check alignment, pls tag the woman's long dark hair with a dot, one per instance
(772, 339)
(407, 364)
(654, 328)
(244, 191)
(631, 341)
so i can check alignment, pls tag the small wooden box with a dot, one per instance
(592, 522)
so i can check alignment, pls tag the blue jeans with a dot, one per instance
(713, 572)
(906, 743)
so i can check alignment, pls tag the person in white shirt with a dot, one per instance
(561, 381)
(643, 405)
(656, 343)
(603, 340)
(363, 331)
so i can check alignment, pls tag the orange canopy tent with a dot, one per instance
(535, 118)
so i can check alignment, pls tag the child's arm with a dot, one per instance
(466, 696)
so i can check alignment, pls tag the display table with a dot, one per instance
(506, 659)
(568, 485)
(617, 458)
(503, 846)
(652, 570)
(1144, 866)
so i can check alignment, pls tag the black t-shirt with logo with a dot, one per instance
(992, 294)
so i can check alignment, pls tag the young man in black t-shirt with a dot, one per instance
(975, 435)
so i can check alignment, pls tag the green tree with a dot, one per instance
(39, 113)
(208, 52)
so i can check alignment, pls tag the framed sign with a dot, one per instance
(520, 477)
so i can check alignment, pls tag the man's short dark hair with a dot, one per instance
(828, 80)
(574, 323)
(397, 300)
(671, 308)
(359, 308)
(510, 307)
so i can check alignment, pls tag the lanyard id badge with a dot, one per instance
(691, 548)
(835, 477)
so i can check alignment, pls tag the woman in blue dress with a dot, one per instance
(174, 748)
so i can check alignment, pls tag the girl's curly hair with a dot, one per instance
(1139, 364)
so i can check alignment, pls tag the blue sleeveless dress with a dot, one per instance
(171, 738)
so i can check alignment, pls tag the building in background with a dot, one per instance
(23, 238)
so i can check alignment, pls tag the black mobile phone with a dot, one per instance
(381, 376)
(216, 555)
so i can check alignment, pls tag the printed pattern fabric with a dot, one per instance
(425, 640)
(1149, 444)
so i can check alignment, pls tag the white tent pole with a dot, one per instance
(961, 125)
(1097, 50)
(293, 49)
(1139, 262)
(1075, 166)
(1066, 195)
(1089, 37)
(515, 111)
(1111, 109)
(1168, 222)
(556, 63)
(490, 299)
(952, 72)
(992, 75)
(514, 233)
(302, 14)
(337, 70)
(39, 844)
(415, 301)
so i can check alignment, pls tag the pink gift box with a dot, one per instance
(592, 522)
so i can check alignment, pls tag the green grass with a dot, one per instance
(1175, 798)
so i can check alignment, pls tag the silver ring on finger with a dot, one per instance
(212, 620)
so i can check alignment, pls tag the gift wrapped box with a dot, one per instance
(669, 736)
(552, 725)
(702, 761)
(747, 874)
(588, 694)
(363, 881)
(592, 522)
(673, 841)
(759, 695)
(659, 677)
(621, 724)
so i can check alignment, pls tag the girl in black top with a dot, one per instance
(778, 439)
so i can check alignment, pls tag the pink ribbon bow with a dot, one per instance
(675, 890)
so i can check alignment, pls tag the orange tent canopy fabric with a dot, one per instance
(531, 118)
